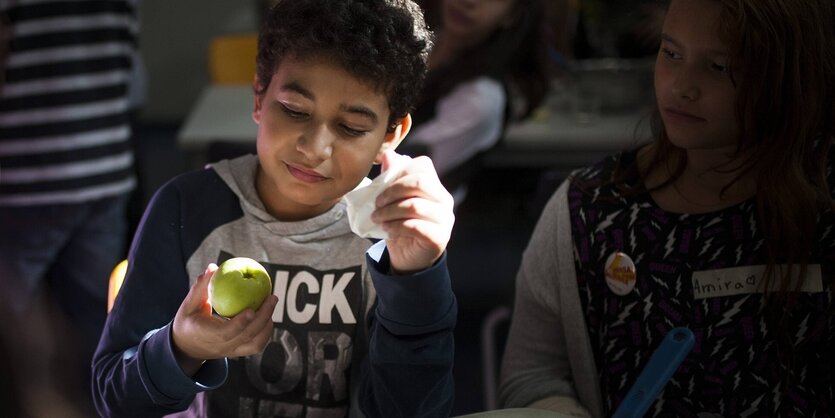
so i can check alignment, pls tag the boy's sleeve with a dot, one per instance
(135, 373)
(408, 369)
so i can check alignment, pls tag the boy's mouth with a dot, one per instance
(304, 174)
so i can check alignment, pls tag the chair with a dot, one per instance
(117, 276)
(494, 328)
(231, 62)
(232, 59)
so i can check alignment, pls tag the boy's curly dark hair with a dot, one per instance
(383, 42)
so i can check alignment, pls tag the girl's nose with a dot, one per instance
(685, 86)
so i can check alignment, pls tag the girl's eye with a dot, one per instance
(670, 54)
(292, 113)
(352, 132)
(719, 67)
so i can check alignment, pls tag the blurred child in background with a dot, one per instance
(66, 174)
(487, 68)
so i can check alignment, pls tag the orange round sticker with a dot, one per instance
(620, 273)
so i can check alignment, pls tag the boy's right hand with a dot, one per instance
(199, 336)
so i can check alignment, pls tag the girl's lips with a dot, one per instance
(679, 116)
(305, 175)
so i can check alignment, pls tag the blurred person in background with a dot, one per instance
(488, 67)
(561, 24)
(38, 377)
(615, 28)
(66, 171)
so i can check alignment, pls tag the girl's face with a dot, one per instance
(693, 87)
(475, 20)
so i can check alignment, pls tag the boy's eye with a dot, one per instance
(293, 113)
(353, 132)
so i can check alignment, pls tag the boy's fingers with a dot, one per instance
(419, 180)
(260, 329)
(433, 235)
(257, 343)
(249, 331)
(247, 316)
(410, 194)
(390, 157)
(385, 162)
(198, 297)
(268, 306)
(406, 187)
(261, 318)
(411, 208)
(236, 325)
(253, 344)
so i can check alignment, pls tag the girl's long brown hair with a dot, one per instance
(785, 51)
(783, 65)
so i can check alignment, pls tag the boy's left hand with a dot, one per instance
(417, 213)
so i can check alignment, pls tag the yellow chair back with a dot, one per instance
(117, 276)
(232, 58)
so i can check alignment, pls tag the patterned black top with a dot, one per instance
(696, 271)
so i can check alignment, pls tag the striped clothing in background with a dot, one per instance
(64, 132)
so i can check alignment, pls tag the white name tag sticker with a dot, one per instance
(748, 280)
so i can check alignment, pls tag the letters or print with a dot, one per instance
(620, 273)
(749, 279)
(304, 370)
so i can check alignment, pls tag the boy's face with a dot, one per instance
(693, 86)
(319, 131)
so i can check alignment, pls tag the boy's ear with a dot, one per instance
(395, 137)
(256, 112)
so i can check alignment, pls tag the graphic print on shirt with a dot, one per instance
(699, 271)
(304, 370)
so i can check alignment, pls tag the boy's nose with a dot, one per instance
(317, 144)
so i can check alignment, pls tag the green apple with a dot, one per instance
(239, 283)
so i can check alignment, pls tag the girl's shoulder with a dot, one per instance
(607, 176)
(601, 171)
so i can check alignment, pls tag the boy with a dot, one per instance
(334, 83)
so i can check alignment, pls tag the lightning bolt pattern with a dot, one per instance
(734, 369)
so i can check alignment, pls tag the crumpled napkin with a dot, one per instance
(361, 200)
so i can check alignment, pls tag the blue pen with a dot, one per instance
(663, 363)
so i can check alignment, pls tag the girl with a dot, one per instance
(724, 224)
(483, 50)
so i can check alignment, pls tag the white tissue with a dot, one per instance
(361, 200)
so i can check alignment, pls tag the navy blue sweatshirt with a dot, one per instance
(348, 338)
